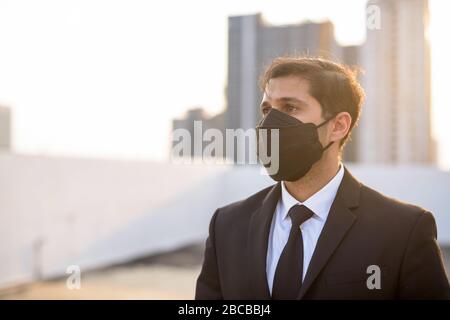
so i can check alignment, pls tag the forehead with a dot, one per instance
(291, 86)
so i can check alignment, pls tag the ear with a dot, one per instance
(340, 126)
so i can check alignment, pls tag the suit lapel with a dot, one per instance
(257, 244)
(339, 221)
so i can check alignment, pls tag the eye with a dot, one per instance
(291, 108)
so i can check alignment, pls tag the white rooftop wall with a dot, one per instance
(56, 212)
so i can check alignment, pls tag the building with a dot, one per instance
(351, 56)
(395, 125)
(5, 129)
(252, 44)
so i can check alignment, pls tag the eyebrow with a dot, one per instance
(292, 99)
(284, 99)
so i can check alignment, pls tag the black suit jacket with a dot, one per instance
(363, 228)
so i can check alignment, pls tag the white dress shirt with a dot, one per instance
(319, 203)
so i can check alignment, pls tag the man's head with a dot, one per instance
(314, 90)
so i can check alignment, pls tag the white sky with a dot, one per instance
(105, 78)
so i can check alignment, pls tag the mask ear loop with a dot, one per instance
(323, 123)
(328, 145)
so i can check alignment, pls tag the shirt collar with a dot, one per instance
(319, 203)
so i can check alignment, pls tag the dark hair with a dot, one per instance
(333, 85)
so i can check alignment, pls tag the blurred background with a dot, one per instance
(91, 91)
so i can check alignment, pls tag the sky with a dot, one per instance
(104, 78)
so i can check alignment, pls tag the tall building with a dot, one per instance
(5, 129)
(395, 125)
(351, 56)
(252, 45)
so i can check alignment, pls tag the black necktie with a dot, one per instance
(288, 275)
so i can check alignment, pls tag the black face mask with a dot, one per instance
(299, 145)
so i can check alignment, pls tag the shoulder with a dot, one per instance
(390, 210)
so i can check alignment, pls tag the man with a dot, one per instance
(318, 233)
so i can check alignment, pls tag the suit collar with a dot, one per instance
(258, 238)
(340, 220)
(349, 189)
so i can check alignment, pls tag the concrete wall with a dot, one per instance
(55, 212)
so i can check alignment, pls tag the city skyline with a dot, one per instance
(397, 84)
(112, 100)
